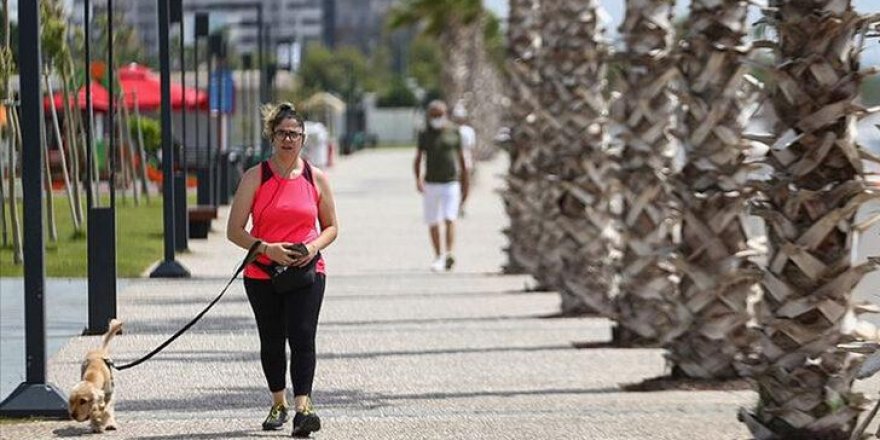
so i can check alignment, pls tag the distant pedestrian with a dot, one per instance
(468, 141)
(445, 182)
(285, 198)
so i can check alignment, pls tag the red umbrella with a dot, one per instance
(100, 99)
(141, 84)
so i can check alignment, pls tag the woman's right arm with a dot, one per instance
(238, 217)
(241, 210)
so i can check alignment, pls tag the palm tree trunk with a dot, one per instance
(523, 80)
(455, 40)
(77, 227)
(805, 385)
(644, 115)
(716, 276)
(573, 162)
(483, 95)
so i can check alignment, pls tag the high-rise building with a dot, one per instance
(285, 21)
(361, 23)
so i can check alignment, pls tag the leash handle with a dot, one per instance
(250, 257)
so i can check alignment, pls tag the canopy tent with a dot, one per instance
(100, 99)
(139, 86)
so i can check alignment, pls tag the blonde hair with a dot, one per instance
(273, 114)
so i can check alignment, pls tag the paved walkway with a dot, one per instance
(403, 353)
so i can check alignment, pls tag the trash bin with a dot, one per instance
(233, 169)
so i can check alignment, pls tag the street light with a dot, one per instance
(34, 397)
(101, 219)
(181, 220)
(169, 267)
(203, 192)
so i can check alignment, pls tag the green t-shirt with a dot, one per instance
(441, 148)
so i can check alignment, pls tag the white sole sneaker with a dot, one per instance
(439, 265)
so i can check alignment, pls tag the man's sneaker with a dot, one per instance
(450, 261)
(439, 264)
(276, 419)
(305, 422)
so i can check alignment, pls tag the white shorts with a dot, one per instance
(441, 201)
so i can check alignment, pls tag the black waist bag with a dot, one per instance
(287, 278)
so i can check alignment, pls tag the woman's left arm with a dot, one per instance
(326, 217)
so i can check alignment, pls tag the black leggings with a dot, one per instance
(290, 316)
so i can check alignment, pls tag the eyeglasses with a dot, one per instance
(281, 135)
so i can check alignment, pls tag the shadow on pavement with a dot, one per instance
(255, 397)
(212, 435)
(369, 355)
(210, 357)
(428, 320)
(216, 323)
(73, 431)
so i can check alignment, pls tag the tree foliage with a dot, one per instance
(435, 15)
(126, 45)
(53, 32)
(13, 36)
(151, 130)
(397, 94)
(425, 62)
(345, 72)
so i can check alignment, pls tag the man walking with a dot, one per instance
(444, 185)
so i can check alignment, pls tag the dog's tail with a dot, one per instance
(113, 328)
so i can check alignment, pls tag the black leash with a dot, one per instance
(251, 256)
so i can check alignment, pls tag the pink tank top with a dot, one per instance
(284, 210)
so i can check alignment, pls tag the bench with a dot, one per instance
(200, 217)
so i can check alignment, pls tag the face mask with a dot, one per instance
(437, 123)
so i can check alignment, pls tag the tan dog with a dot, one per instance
(92, 398)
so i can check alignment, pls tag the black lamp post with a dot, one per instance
(181, 220)
(203, 192)
(101, 228)
(169, 267)
(34, 397)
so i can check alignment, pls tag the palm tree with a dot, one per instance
(643, 117)
(523, 32)
(455, 24)
(572, 162)
(804, 384)
(716, 276)
(468, 75)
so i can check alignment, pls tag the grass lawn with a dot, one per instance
(138, 234)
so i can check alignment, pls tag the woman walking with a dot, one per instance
(285, 198)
